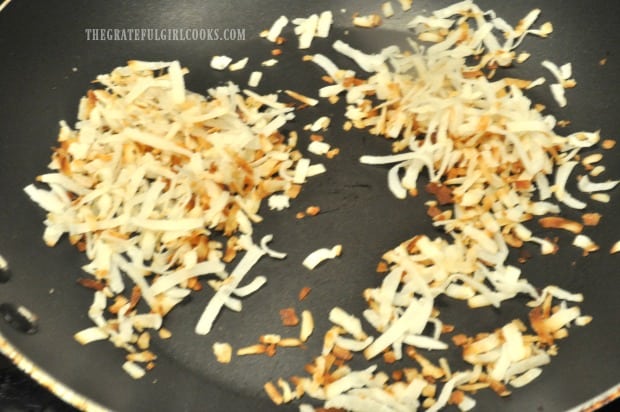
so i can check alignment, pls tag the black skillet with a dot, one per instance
(46, 64)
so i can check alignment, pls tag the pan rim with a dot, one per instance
(47, 380)
(84, 403)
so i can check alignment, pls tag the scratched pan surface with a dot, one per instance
(42, 42)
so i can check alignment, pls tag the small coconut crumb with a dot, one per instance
(608, 144)
(278, 202)
(318, 148)
(563, 123)
(313, 210)
(289, 317)
(332, 153)
(406, 4)
(220, 62)
(269, 63)
(522, 57)
(223, 352)
(239, 65)
(583, 320)
(591, 159)
(597, 170)
(165, 333)
(303, 293)
(322, 123)
(255, 78)
(3, 263)
(591, 219)
(600, 197)
(369, 21)
(316, 169)
(387, 9)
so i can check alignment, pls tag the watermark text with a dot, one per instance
(167, 34)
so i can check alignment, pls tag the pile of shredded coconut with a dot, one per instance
(493, 162)
(148, 178)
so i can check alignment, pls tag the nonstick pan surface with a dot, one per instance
(47, 63)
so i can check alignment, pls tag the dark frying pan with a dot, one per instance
(47, 63)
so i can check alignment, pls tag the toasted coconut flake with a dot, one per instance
(270, 252)
(318, 256)
(276, 28)
(303, 293)
(525, 378)
(319, 148)
(164, 333)
(316, 169)
(561, 223)
(255, 78)
(256, 283)
(405, 4)
(387, 9)
(253, 254)
(597, 171)
(307, 325)
(257, 349)
(326, 19)
(239, 64)
(278, 202)
(591, 219)
(92, 334)
(322, 123)
(585, 185)
(133, 369)
(348, 322)
(585, 243)
(615, 247)
(369, 21)
(4, 4)
(591, 159)
(443, 398)
(273, 393)
(301, 171)
(289, 317)
(608, 144)
(561, 179)
(269, 63)
(4, 265)
(583, 320)
(306, 29)
(220, 62)
(600, 197)
(270, 339)
(304, 99)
